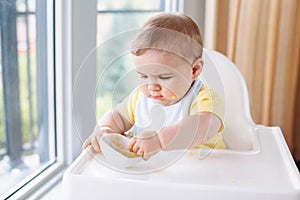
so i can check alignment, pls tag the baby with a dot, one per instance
(171, 108)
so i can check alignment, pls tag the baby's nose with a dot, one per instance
(154, 86)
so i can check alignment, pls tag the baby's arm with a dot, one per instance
(189, 132)
(111, 122)
(185, 134)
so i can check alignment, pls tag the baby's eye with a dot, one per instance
(165, 77)
(143, 76)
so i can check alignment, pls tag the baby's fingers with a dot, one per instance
(95, 144)
(146, 156)
(86, 143)
(132, 147)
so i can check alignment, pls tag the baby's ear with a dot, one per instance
(197, 67)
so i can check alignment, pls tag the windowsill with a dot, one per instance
(55, 193)
(52, 189)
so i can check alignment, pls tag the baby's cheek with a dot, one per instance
(145, 91)
(169, 94)
(182, 89)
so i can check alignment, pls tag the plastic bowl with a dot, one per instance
(115, 150)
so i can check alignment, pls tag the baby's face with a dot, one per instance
(164, 77)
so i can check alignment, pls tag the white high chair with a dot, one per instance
(256, 165)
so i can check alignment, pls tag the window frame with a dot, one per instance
(32, 184)
(65, 45)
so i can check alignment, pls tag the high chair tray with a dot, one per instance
(267, 172)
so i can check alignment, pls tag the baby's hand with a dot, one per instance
(94, 138)
(146, 144)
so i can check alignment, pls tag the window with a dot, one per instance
(27, 131)
(118, 20)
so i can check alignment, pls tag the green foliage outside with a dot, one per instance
(120, 24)
(24, 100)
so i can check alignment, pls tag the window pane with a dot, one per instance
(31, 5)
(109, 25)
(21, 5)
(129, 5)
(24, 143)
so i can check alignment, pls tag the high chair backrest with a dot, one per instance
(222, 75)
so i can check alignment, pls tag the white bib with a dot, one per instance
(149, 115)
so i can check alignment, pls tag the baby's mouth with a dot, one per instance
(157, 97)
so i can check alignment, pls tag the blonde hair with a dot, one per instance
(175, 33)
